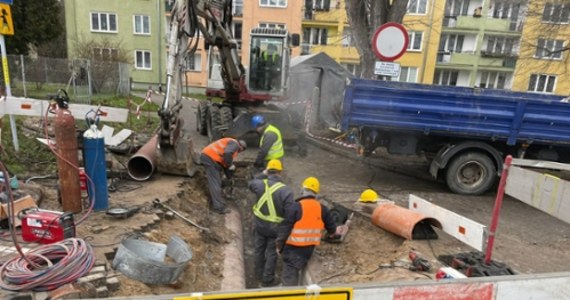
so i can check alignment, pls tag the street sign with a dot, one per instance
(390, 41)
(387, 69)
(6, 27)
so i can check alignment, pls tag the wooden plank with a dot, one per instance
(460, 227)
(545, 192)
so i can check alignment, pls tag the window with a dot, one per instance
(142, 60)
(105, 54)
(347, 40)
(273, 3)
(103, 22)
(415, 43)
(271, 25)
(142, 24)
(493, 80)
(541, 83)
(417, 7)
(506, 10)
(194, 62)
(237, 9)
(237, 31)
(500, 45)
(549, 49)
(322, 5)
(407, 74)
(556, 13)
(456, 7)
(354, 69)
(315, 36)
(451, 43)
(445, 77)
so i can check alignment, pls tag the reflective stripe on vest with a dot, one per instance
(216, 150)
(307, 231)
(267, 198)
(276, 151)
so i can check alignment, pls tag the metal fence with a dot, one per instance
(36, 77)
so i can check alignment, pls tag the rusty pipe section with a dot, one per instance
(141, 165)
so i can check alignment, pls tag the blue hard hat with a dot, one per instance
(257, 120)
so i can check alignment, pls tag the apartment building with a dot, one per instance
(135, 26)
(543, 64)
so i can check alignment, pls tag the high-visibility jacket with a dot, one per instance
(276, 151)
(267, 199)
(307, 230)
(270, 57)
(216, 150)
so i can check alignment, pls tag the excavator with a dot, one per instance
(245, 91)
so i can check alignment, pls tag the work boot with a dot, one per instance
(274, 282)
(222, 211)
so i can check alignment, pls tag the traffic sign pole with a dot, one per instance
(8, 91)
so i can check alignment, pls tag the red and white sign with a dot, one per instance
(390, 41)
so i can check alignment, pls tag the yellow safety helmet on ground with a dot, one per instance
(275, 164)
(368, 195)
(312, 183)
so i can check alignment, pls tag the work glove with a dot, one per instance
(232, 168)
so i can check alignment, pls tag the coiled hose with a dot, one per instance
(55, 265)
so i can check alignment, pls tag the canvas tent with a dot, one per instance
(317, 70)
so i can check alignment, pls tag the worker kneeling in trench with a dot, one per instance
(301, 229)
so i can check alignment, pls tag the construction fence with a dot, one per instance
(38, 77)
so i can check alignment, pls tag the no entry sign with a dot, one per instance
(390, 41)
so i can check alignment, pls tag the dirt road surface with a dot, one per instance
(529, 241)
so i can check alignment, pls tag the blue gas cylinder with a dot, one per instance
(95, 167)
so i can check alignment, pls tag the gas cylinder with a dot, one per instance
(94, 158)
(67, 160)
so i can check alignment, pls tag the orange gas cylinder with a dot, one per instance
(67, 160)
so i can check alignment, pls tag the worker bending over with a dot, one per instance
(273, 199)
(270, 144)
(301, 230)
(217, 157)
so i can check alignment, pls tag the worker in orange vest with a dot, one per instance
(300, 231)
(217, 157)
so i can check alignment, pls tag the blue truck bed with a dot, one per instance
(515, 117)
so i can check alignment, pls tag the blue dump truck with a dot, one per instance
(464, 132)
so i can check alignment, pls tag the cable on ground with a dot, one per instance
(54, 265)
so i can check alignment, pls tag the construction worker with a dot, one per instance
(300, 231)
(271, 61)
(273, 199)
(270, 144)
(217, 157)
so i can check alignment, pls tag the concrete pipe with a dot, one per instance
(406, 223)
(141, 165)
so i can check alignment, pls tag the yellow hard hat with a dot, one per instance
(312, 183)
(275, 164)
(368, 196)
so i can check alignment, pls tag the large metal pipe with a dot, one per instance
(141, 165)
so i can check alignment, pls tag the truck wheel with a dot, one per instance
(471, 173)
(202, 118)
(214, 120)
(226, 116)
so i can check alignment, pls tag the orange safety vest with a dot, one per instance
(307, 231)
(215, 150)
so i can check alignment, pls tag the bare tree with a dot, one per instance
(364, 17)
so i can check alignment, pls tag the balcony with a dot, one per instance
(472, 23)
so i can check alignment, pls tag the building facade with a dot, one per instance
(108, 28)
(543, 59)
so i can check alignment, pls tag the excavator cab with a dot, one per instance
(269, 59)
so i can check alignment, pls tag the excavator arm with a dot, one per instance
(190, 20)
